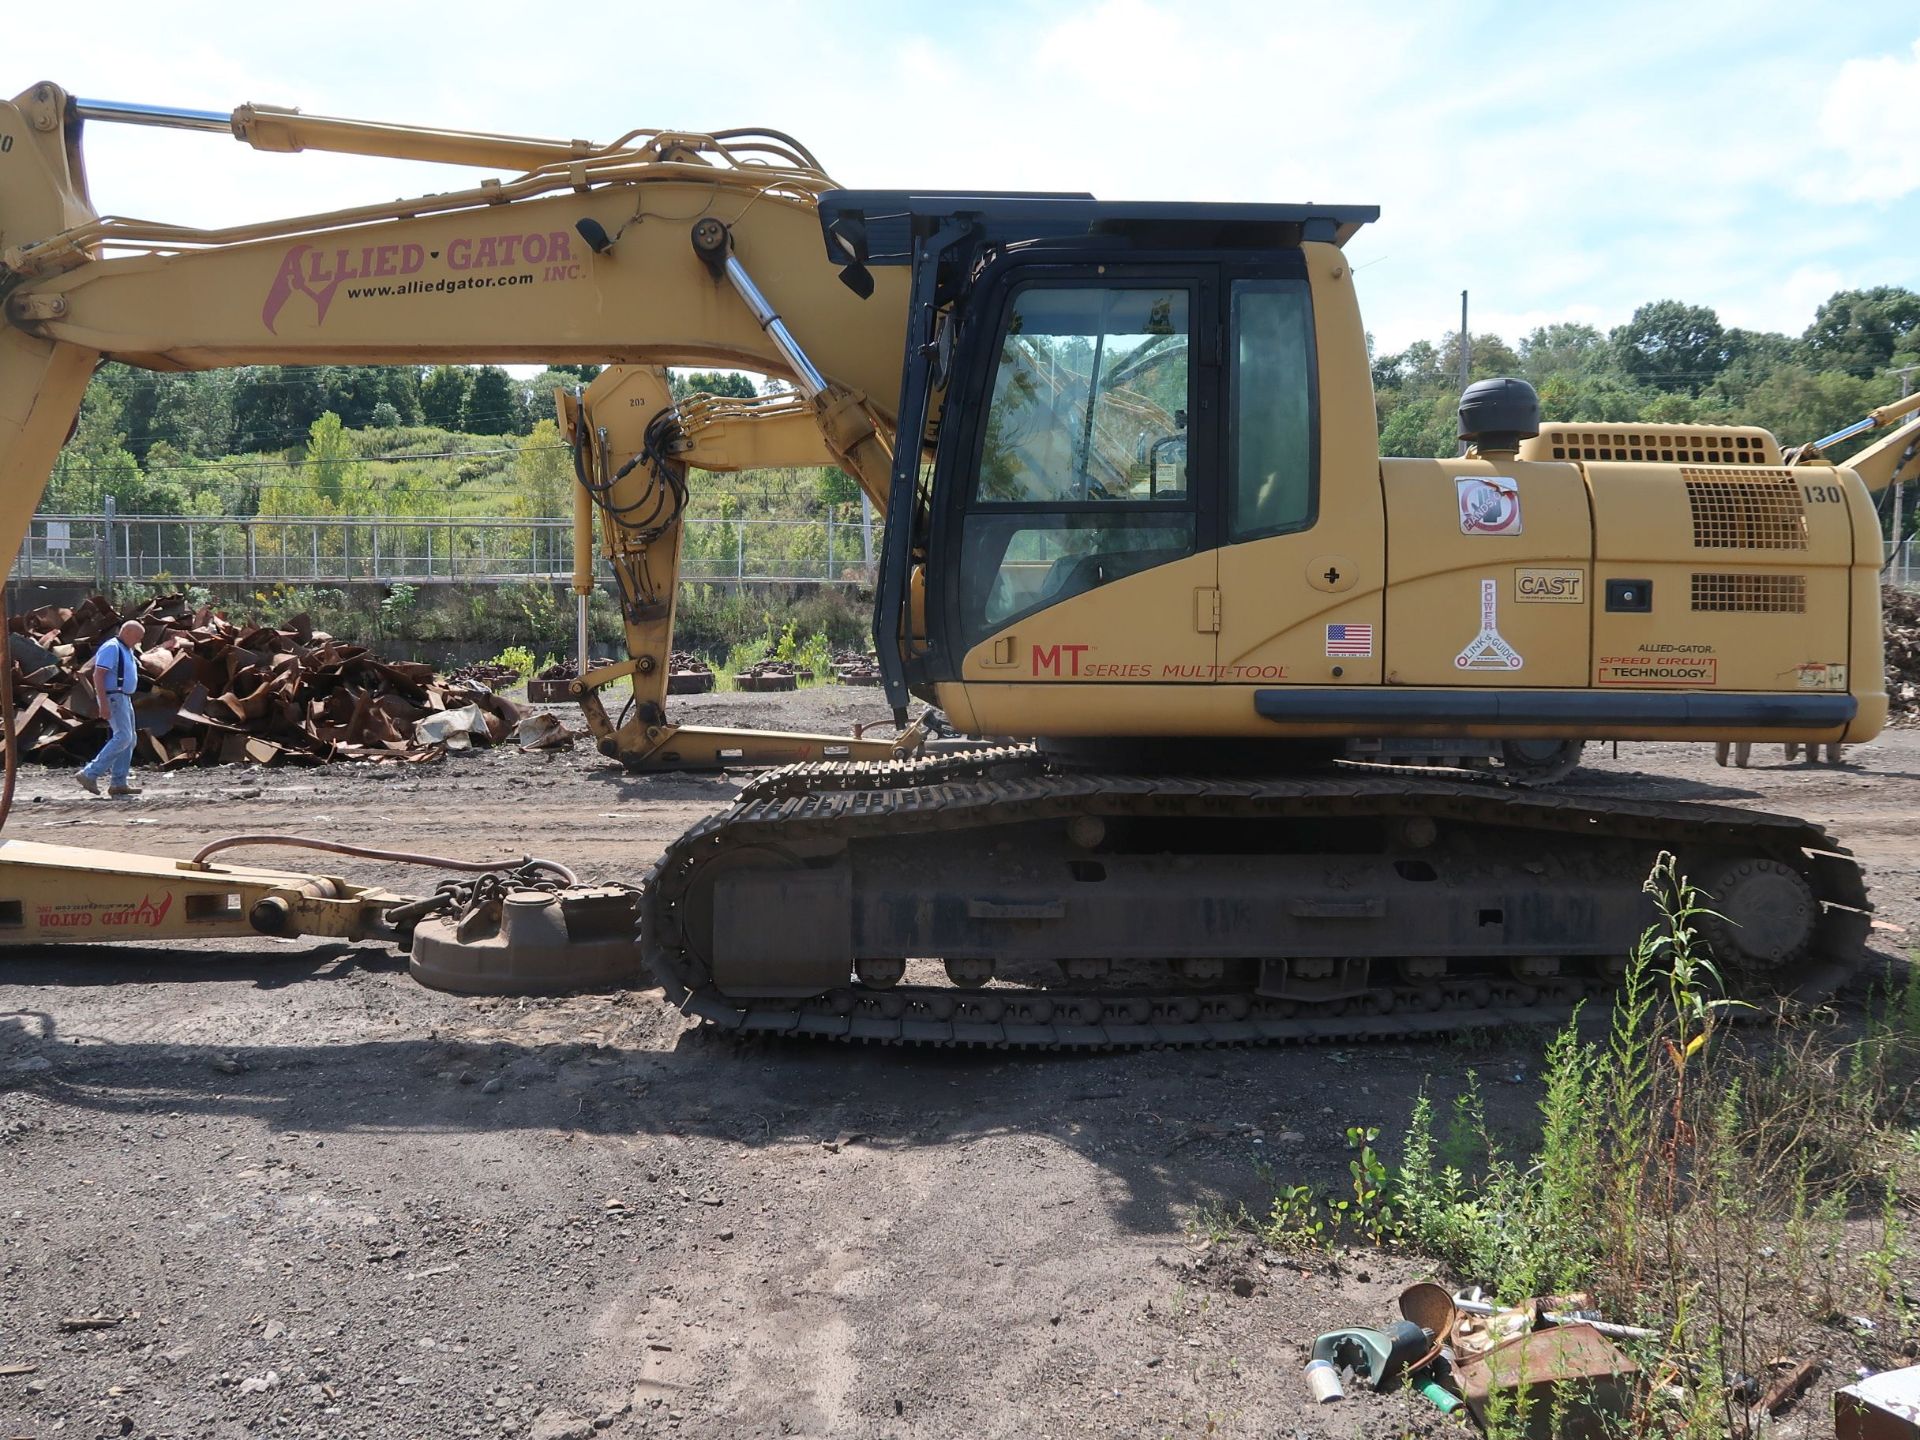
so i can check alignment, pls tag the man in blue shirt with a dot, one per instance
(116, 675)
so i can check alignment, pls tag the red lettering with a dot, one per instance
(459, 253)
(386, 260)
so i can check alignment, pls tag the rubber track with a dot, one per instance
(1009, 785)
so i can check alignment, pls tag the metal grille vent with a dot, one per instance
(1764, 594)
(1668, 444)
(1735, 510)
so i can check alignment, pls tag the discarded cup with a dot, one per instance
(1324, 1382)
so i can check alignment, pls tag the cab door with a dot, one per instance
(1082, 552)
(1301, 569)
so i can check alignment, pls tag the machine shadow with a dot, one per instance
(83, 966)
(1169, 1131)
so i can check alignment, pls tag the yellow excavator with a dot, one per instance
(1134, 504)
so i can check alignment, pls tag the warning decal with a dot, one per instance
(1489, 505)
(1488, 651)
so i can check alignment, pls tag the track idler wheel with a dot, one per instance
(1762, 913)
(1539, 762)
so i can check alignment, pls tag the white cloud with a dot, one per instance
(1872, 119)
(1551, 159)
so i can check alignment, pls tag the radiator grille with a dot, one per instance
(1764, 594)
(1735, 510)
(1667, 444)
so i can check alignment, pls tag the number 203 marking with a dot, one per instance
(1823, 494)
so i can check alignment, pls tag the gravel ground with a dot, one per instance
(311, 1198)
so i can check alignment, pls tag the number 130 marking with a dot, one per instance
(1823, 494)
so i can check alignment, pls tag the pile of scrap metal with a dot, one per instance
(768, 675)
(490, 673)
(214, 693)
(688, 674)
(1902, 610)
(1548, 1367)
(856, 667)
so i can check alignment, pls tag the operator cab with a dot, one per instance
(1123, 388)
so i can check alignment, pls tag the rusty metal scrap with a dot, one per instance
(214, 692)
(1902, 611)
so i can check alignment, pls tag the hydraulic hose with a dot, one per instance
(398, 857)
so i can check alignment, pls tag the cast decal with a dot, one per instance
(1354, 641)
(1661, 663)
(1489, 505)
(1488, 651)
(1549, 587)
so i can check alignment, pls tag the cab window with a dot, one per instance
(1083, 465)
(1271, 408)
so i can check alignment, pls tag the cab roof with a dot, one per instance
(878, 227)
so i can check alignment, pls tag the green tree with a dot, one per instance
(537, 393)
(1798, 404)
(494, 406)
(543, 475)
(275, 405)
(95, 462)
(1425, 429)
(1671, 346)
(1487, 356)
(712, 382)
(331, 471)
(1563, 349)
(443, 396)
(1859, 331)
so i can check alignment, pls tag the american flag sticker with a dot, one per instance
(1350, 640)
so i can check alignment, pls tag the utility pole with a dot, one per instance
(1466, 355)
(1899, 489)
(1466, 346)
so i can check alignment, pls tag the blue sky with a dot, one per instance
(1561, 161)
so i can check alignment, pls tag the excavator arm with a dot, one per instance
(1893, 459)
(660, 248)
(633, 448)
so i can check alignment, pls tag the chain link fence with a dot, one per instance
(106, 549)
(313, 549)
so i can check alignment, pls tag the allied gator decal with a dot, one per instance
(390, 272)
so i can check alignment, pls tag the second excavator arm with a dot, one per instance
(1894, 459)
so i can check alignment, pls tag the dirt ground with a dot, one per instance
(324, 1201)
